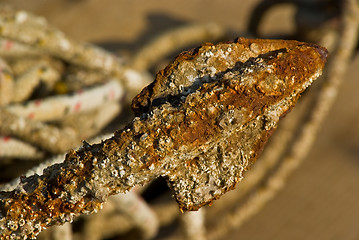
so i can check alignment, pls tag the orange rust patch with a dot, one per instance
(192, 162)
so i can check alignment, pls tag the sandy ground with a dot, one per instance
(320, 200)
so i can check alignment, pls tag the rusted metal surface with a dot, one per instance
(201, 123)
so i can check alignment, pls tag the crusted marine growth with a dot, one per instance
(201, 123)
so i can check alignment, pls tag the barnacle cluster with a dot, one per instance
(201, 135)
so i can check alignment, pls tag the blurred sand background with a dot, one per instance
(321, 198)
